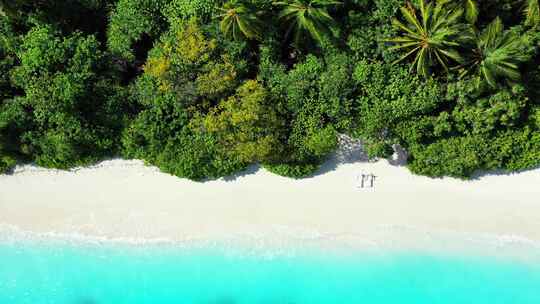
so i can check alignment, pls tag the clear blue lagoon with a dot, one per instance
(61, 273)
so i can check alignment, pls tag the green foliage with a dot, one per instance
(294, 170)
(369, 29)
(188, 61)
(323, 83)
(456, 156)
(431, 34)
(317, 97)
(8, 58)
(88, 16)
(471, 10)
(498, 55)
(186, 9)
(13, 9)
(512, 150)
(130, 20)
(6, 163)
(378, 149)
(188, 76)
(240, 20)
(481, 133)
(390, 96)
(485, 115)
(161, 135)
(203, 88)
(307, 16)
(246, 126)
(532, 13)
(69, 113)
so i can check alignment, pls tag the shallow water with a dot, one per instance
(49, 272)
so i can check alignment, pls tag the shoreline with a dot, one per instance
(126, 200)
(390, 242)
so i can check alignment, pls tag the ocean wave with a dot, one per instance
(282, 240)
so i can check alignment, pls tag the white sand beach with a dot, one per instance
(125, 199)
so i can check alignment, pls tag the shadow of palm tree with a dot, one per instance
(350, 150)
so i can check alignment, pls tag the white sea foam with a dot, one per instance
(283, 241)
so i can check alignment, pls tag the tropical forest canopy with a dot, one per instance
(203, 88)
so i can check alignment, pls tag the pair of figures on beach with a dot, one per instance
(367, 180)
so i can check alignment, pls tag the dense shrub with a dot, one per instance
(511, 150)
(187, 93)
(294, 170)
(129, 21)
(246, 126)
(448, 130)
(202, 88)
(389, 96)
(7, 163)
(161, 135)
(8, 58)
(455, 156)
(69, 113)
(369, 28)
(316, 94)
(186, 9)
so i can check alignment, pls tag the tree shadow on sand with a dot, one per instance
(251, 169)
(352, 151)
(478, 175)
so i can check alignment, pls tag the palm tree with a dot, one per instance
(240, 21)
(497, 55)
(432, 33)
(532, 13)
(12, 8)
(309, 16)
(471, 10)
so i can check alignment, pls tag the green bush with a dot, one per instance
(130, 20)
(8, 58)
(70, 113)
(388, 97)
(158, 80)
(186, 9)
(189, 117)
(7, 163)
(502, 110)
(161, 136)
(293, 170)
(316, 96)
(455, 156)
(511, 150)
(245, 124)
(369, 27)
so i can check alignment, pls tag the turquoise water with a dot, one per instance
(117, 274)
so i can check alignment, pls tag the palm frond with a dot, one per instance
(532, 13)
(471, 11)
(240, 21)
(431, 32)
(307, 16)
(498, 55)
